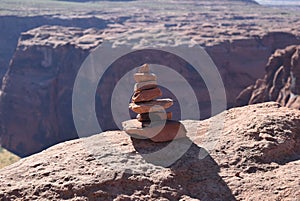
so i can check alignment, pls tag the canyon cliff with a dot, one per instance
(280, 83)
(37, 88)
(39, 63)
(36, 93)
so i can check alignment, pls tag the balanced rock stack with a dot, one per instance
(153, 122)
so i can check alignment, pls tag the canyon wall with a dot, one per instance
(42, 49)
(13, 26)
(36, 95)
(280, 83)
(35, 98)
(242, 61)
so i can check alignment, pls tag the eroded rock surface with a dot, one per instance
(36, 95)
(254, 155)
(238, 39)
(280, 83)
(38, 86)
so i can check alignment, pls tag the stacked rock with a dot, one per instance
(153, 122)
(144, 100)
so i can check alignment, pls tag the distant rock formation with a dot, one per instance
(37, 87)
(36, 94)
(281, 82)
(13, 26)
(255, 157)
(238, 40)
(241, 62)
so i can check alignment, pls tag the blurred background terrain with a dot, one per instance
(43, 43)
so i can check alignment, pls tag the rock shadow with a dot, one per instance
(194, 172)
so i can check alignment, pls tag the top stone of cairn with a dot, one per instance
(144, 69)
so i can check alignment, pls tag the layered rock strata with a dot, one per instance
(36, 94)
(280, 83)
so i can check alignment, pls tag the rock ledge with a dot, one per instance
(254, 157)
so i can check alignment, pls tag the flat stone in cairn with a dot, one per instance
(154, 116)
(151, 106)
(163, 132)
(146, 95)
(144, 77)
(144, 69)
(145, 85)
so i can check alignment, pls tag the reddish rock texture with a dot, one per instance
(241, 62)
(37, 88)
(36, 94)
(254, 155)
(238, 40)
(280, 83)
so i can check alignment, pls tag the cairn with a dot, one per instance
(152, 121)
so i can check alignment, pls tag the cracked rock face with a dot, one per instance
(280, 83)
(254, 155)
